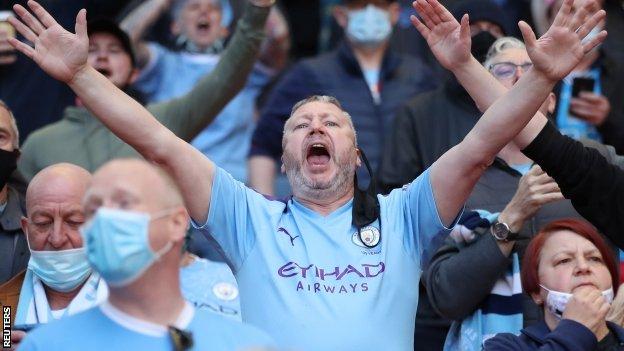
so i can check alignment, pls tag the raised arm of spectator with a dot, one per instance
(63, 55)
(138, 21)
(554, 55)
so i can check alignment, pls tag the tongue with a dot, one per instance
(318, 159)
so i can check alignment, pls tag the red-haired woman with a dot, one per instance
(567, 269)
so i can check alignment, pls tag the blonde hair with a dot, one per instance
(500, 45)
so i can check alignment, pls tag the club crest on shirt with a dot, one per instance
(370, 236)
(225, 291)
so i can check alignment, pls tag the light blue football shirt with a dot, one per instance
(310, 282)
(106, 328)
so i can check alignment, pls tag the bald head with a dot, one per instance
(142, 184)
(59, 181)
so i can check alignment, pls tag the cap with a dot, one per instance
(105, 25)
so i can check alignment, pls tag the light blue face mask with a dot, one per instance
(117, 243)
(60, 270)
(369, 26)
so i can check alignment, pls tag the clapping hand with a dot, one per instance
(58, 52)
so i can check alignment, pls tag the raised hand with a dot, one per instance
(448, 40)
(58, 52)
(560, 49)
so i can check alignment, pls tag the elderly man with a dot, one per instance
(134, 237)
(80, 139)
(332, 255)
(59, 280)
(13, 248)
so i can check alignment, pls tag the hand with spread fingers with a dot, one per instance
(58, 52)
(448, 40)
(560, 49)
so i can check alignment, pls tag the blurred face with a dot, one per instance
(554, 9)
(568, 261)
(130, 187)
(200, 22)
(509, 65)
(341, 12)
(320, 156)
(55, 215)
(7, 139)
(107, 56)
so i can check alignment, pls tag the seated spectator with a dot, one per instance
(431, 123)
(201, 28)
(59, 281)
(370, 80)
(568, 271)
(81, 139)
(13, 247)
(597, 112)
(134, 238)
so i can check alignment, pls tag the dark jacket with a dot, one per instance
(477, 267)
(14, 253)
(424, 129)
(595, 186)
(568, 336)
(612, 85)
(338, 74)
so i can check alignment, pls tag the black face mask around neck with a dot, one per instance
(366, 208)
(8, 164)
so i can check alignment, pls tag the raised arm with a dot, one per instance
(138, 21)
(63, 55)
(553, 55)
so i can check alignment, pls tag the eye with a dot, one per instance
(302, 125)
(563, 261)
(597, 259)
(331, 124)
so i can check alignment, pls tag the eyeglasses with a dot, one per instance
(506, 70)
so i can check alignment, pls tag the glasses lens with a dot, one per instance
(503, 70)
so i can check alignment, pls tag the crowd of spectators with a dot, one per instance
(312, 174)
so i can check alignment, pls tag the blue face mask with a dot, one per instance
(117, 243)
(369, 26)
(60, 270)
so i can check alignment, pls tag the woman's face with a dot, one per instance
(509, 65)
(568, 261)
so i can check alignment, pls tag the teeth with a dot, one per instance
(318, 145)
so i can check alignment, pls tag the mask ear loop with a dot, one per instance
(366, 209)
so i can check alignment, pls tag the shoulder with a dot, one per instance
(229, 330)
(53, 332)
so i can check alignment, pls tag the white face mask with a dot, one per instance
(369, 26)
(556, 301)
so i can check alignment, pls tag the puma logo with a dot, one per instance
(292, 240)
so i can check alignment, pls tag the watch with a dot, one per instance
(501, 232)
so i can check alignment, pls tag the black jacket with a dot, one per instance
(595, 186)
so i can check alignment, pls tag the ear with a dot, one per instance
(180, 222)
(175, 28)
(134, 74)
(551, 102)
(341, 15)
(537, 298)
(359, 160)
(395, 11)
(24, 225)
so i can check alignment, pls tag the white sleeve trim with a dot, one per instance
(144, 327)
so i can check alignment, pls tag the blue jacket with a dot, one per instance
(569, 336)
(338, 74)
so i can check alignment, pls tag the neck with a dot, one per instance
(148, 298)
(58, 300)
(512, 155)
(328, 205)
(4, 194)
(370, 58)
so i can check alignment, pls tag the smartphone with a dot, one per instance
(582, 84)
(25, 327)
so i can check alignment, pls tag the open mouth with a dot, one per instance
(317, 155)
(105, 72)
(203, 26)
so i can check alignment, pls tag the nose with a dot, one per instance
(582, 266)
(317, 126)
(57, 237)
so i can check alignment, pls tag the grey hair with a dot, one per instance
(500, 45)
(178, 5)
(320, 98)
(13, 124)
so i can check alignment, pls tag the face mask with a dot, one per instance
(8, 164)
(481, 43)
(117, 243)
(369, 26)
(366, 208)
(60, 270)
(556, 301)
